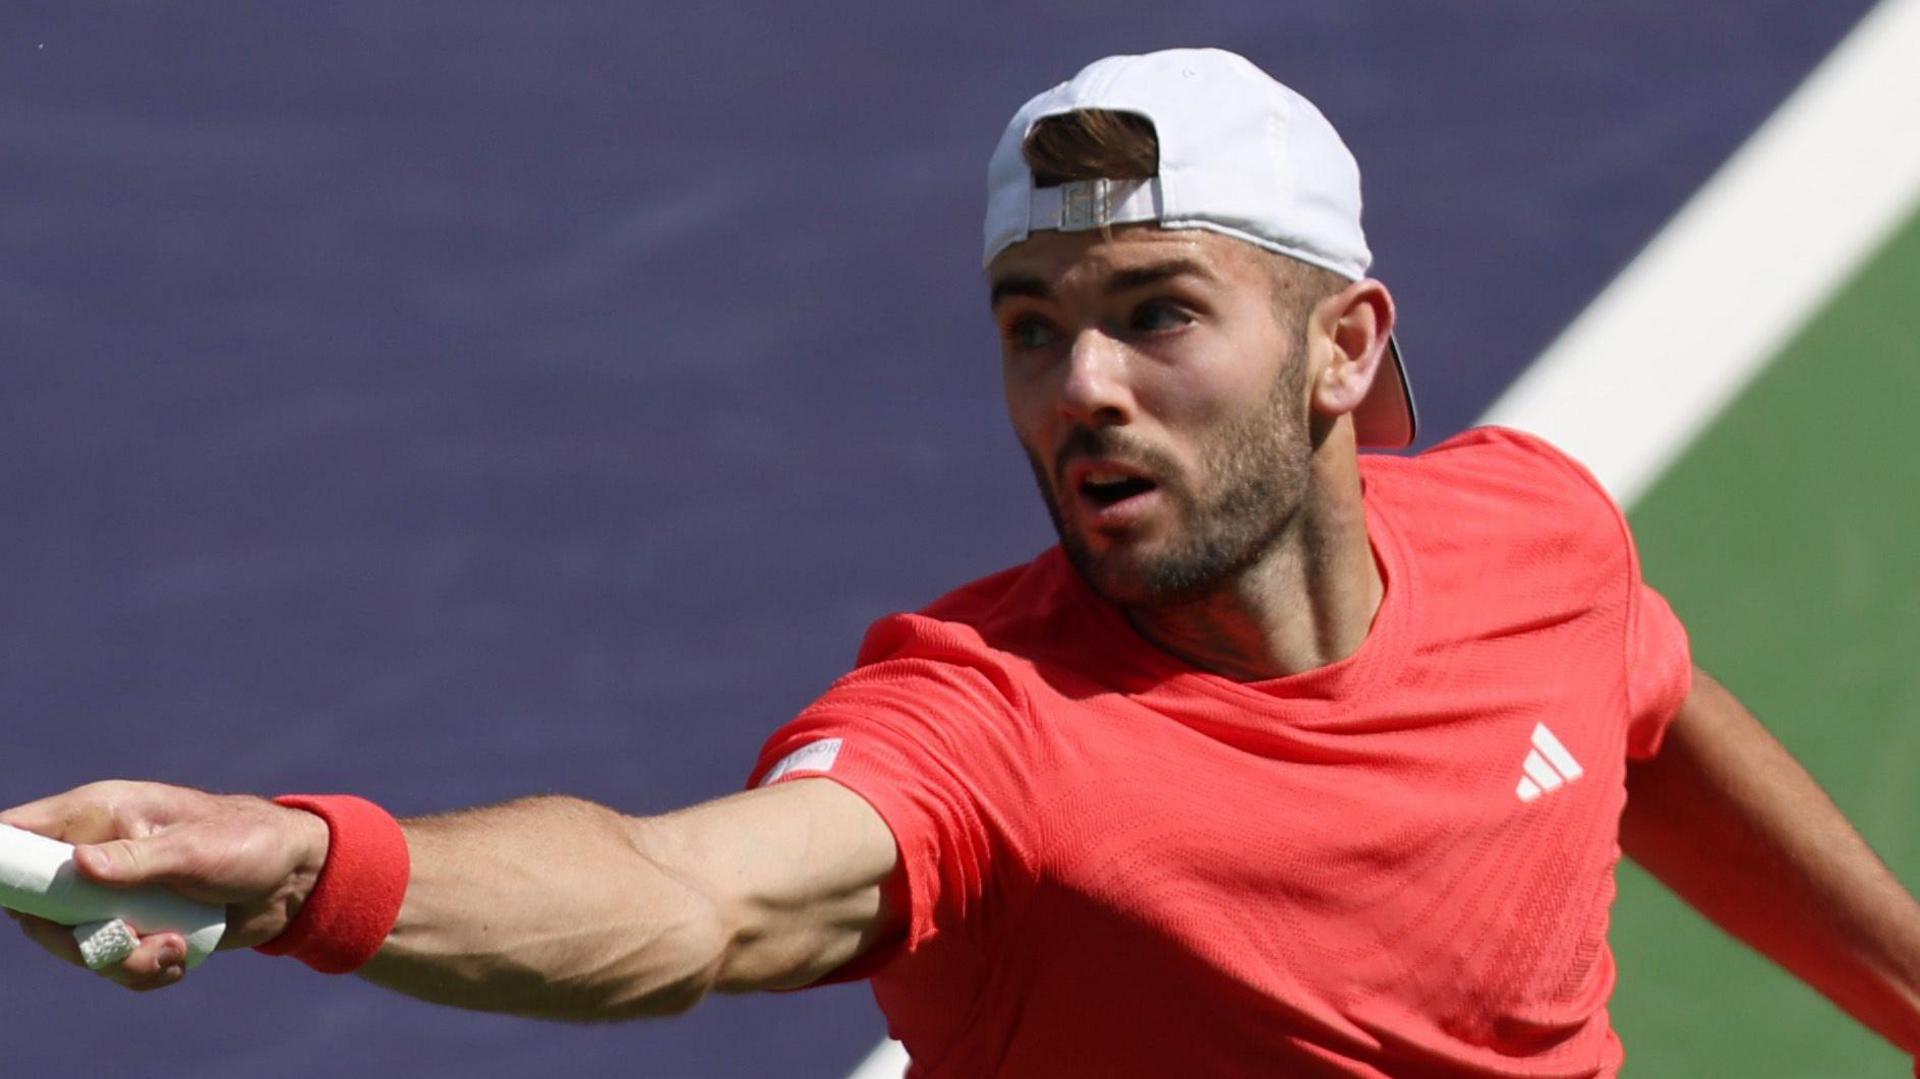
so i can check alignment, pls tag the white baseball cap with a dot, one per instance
(1240, 155)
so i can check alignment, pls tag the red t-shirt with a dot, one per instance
(1117, 864)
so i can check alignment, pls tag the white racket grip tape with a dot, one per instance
(37, 877)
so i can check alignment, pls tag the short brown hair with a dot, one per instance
(1092, 144)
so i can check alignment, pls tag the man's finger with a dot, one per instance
(82, 815)
(159, 961)
(47, 817)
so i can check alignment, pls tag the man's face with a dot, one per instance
(1160, 394)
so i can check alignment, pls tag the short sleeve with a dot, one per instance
(1659, 669)
(1658, 660)
(935, 745)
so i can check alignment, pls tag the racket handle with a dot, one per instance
(37, 877)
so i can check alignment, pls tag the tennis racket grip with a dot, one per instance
(38, 877)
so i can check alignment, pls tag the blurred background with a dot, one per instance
(451, 402)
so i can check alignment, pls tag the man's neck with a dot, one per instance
(1308, 603)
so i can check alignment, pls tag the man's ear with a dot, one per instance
(1350, 331)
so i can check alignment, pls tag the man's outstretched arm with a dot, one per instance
(1728, 819)
(551, 906)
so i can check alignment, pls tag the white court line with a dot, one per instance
(1743, 265)
(887, 1061)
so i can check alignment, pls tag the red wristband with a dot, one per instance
(357, 897)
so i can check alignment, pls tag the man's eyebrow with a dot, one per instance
(1018, 285)
(1123, 281)
(1154, 274)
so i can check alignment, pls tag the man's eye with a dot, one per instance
(1029, 333)
(1159, 315)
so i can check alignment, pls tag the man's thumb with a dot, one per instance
(125, 861)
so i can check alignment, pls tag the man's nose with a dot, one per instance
(1096, 391)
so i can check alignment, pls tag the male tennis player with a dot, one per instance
(1285, 762)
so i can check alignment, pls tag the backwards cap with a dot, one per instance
(1240, 155)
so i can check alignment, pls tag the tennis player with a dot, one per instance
(1286, 761)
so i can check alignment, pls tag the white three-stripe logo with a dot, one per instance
(1548, 765)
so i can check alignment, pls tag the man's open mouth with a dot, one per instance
(1105, 489)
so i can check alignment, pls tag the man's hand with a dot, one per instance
(256, 858)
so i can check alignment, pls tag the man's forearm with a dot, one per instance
(548, 907)
(1732, 823)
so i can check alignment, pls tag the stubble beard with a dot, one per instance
(1256, 469)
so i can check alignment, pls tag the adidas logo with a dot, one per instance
(1548, 765)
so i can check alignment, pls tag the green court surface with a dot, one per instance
(1788, 539)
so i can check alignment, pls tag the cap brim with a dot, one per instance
(1386, 419)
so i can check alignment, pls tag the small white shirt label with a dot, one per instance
(812, 757)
